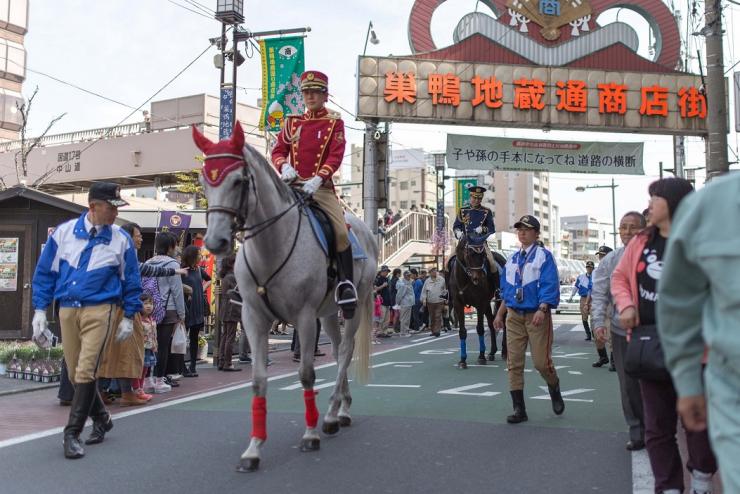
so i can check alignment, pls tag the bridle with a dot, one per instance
(240, 223)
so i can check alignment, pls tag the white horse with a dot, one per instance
(281, 271)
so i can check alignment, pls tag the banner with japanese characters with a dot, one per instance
(462, 191)
(411, 90)
(282, 66)
(466, 152)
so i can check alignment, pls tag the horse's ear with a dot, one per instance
(237, 135)
(201, 141)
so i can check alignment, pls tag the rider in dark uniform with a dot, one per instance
(476, 222)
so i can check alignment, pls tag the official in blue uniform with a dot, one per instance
(584, 285)
(476, 222)
(530, 289)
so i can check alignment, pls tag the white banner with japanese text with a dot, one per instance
(466, 152)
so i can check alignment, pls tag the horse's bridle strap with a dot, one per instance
(224, 155)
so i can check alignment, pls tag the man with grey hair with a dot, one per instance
(405, 300)
(603, 313)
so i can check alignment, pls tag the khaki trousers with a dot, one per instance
(519, 332)
(435, 316)
(585, 306)
(84, 332)
(327, 200)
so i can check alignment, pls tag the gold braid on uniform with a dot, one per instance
(291, 138)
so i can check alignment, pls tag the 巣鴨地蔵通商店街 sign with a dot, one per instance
(561, 98)
(467, 152)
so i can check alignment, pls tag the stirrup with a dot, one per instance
(341, 285)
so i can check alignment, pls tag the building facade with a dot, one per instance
(585, 235)
(13, 28)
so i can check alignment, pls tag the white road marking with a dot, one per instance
(576, 373)
(393, 385)
(464, 390)
(195, 396)
(397, 364)
(436, 352)
(643, 481)
(576, 355)
(298, 385)
(569, 392)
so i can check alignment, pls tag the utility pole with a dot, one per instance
(369, 178)
(717, 162)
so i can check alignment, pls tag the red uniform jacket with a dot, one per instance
(313, 143)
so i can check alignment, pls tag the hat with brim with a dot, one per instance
(603, 250)
(108, 192)
(589, 264)
(477, 192)
(313, 80)
(527, 221)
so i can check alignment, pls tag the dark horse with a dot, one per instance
(469, 284)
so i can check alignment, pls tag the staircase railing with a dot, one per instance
(412, 227)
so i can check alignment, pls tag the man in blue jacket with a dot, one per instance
(530, 289)
(584, 285)
(89, 266)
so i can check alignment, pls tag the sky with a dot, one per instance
(127, 50)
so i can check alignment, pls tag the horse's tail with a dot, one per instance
(362, 339)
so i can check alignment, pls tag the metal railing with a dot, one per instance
(412, 227)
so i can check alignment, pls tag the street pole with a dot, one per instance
(679, 155)
(233, 75)
(717, 161)
(369, 178)
(614, 215)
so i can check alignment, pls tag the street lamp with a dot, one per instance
(370, 36)
(230, 11)
(613, 186)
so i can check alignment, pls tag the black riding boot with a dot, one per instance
(346, 294)
(102, 421)
(588, 329)
(520, 411)
(558, 405)
(82, 402)
(603, 358)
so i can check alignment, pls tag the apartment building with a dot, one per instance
(585, 235)
(13, 27)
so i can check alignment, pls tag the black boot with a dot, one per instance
(102, 421)
(520, 411)
(84, 395)
(558, 405)
(587, 328)
(611, 363)
(603, 358)
(346, 294)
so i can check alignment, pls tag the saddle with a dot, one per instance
(324, 233)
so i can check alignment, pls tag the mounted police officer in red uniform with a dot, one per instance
(308, 151)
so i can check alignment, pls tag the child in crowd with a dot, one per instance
(150, 342)
(377, 318)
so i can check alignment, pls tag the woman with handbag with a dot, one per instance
(634, 288)
(195, 317)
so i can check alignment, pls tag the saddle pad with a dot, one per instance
(357, 251)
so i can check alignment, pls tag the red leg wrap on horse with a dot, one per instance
(312, 413)
(259, 417)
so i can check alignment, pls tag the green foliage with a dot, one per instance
(189, 183)
(27, 351)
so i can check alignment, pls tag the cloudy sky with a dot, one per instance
(127, 50)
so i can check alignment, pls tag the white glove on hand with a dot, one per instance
(288, 173)
(458, 234)
(125, 329)
(39, 323)
(312, 185)
(478, 230)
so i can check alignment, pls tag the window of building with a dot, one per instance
(545, 228)
(536, 200)
(404, 186)
(404, 204)
(545, 190)
(546, 216)
(546, 203)
(413, 183)
(393, 203)
(536, 187)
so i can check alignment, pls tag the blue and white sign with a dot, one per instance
(226, 112)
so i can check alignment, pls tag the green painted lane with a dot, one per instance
(420, 380)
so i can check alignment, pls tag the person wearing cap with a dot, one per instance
(605, 321)
(89, 266)
(308, 152)
(381, 286)
(603, 345)
(530, 289)
(476, 222)
(583, 287)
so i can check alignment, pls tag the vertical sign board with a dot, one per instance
(225, 113)
(736, 92)
(282, 66)
(462, 191)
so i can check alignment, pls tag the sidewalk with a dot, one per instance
(10, 386)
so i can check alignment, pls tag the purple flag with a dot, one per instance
(174, 221)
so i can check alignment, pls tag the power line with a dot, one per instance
(201, 7)
(190, 10)
(39, 181)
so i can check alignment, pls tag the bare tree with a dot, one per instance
(28, 145)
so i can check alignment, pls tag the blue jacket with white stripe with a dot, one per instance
(79, 271)
(539, 280)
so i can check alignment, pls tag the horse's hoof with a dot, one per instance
(311, 444)
(330, 427)
(247, 465)
(491, 357)
(345, 421)
(482, 361)
(462, 364)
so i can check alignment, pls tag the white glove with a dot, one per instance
(478, 230)
(312, 185)
(39, 323)
(288, 173)
(125, 329)
(458, 234)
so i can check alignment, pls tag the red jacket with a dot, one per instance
(313, 143)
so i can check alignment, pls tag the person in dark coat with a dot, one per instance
(195, 314)
(229, 314)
